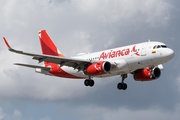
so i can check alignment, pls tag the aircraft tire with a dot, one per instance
(119, 86)
(122, 86)
(91, 83)
(86, 82)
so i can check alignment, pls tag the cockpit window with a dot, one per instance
(159, 46)
(155, 47)
(163, 46)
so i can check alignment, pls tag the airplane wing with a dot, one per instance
(71, 62)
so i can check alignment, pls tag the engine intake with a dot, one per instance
(98, 68)
(144, 74)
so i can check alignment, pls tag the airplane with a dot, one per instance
(143, 60)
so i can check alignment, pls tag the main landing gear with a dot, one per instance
(89, 82)
(122, 85)
(152, 76)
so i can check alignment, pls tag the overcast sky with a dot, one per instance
(82, 26)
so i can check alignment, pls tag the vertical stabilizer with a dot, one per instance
(47, 45)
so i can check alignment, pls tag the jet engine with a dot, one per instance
(147, 74)
(98, 68)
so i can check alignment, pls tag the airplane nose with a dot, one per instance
(170, 54)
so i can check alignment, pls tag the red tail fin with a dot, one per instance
(47, 45)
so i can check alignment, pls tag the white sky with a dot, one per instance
(78, 26)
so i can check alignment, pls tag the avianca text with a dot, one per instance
(113, 54)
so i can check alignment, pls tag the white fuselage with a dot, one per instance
(127, 59)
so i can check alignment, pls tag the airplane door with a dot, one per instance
(143, 50)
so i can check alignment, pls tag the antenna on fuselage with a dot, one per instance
(149, 40)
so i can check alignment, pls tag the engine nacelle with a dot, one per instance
(144, 75)
(99, 68)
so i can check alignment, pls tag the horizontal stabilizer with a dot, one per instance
(33, 66)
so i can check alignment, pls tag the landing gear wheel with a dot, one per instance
(122, 86)
(91, 83)
(86, 82)
(119, 86)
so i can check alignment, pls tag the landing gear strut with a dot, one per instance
(89, 82)
(122, 85)
(152, 76)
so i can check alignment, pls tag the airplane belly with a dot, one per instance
(69, 72)
(81, 75)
